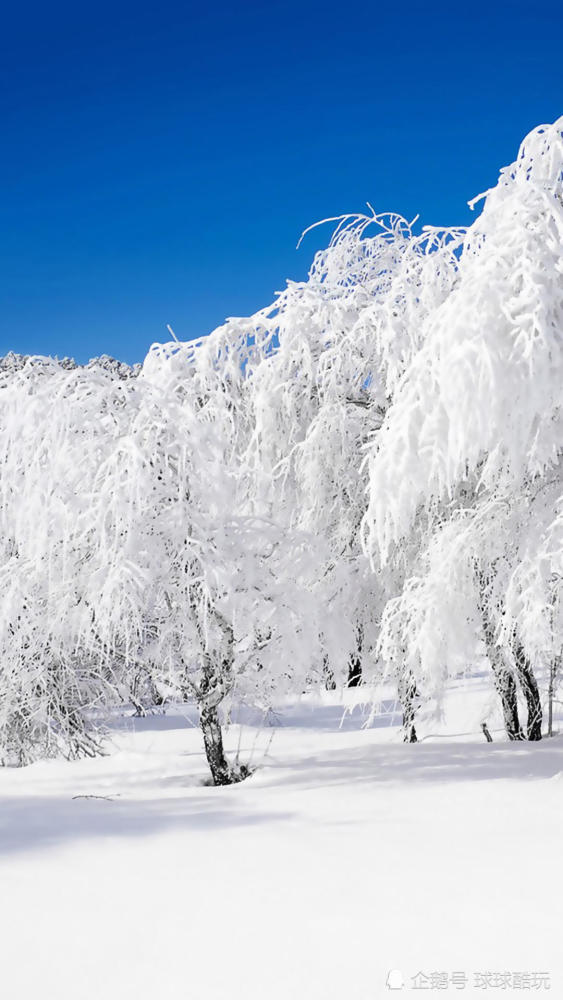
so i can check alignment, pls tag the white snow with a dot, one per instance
(346, 855)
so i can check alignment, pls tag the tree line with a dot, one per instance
(359, 484)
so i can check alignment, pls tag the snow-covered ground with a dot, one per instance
(346, 855)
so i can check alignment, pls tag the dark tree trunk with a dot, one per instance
(529, 687)
(354, 671)
(553, 672)
(330, 683)
(408, 695)
(506, 688)
(505, 684)
(216, 682)
(213, 742)
(355, 662)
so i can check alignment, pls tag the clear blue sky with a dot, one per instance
(159, 161)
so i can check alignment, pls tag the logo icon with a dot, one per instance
(395, 980)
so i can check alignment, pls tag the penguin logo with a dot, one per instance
(395, 980)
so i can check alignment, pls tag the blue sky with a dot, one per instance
(160, 161)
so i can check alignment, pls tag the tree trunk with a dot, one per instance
(354, 671)
(407, 696)
(221, 773)
(550, 704)
(529, 686)
(553, 672)
(329, 681)
(506, 688)
(505, 684)
(215, 683)
(355, 662)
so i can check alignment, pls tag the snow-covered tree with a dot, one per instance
(468, 458)
(57, 421)
(333, 350)
(213, 600)
(362, 479)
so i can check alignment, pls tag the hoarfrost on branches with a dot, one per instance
(361, 482)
